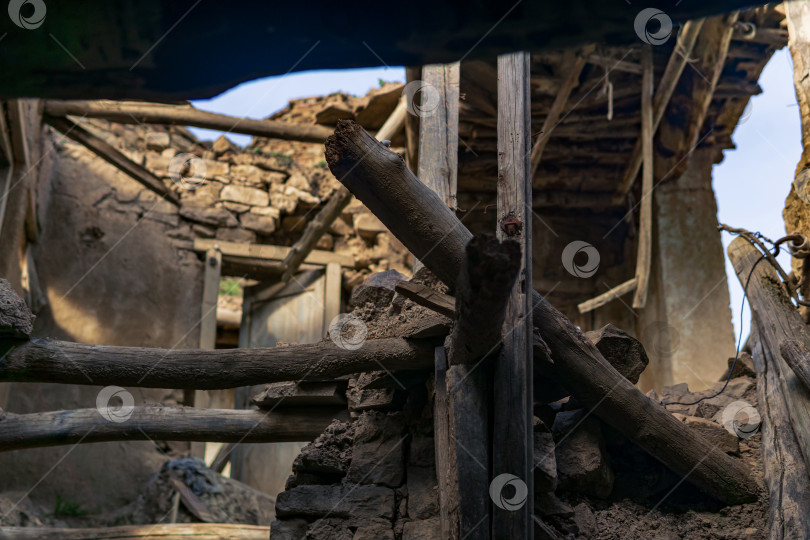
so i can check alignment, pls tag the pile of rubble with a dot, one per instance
(374, 476)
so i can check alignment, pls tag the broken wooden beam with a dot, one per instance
(645, 234)
(786, 476)
(339, 200)
(162, 423)
(778, 321)
(45, 360)
(606, 297)
(427, 297)
(113, 156)
(151, 531)
(139, 112)
(483, 288)
(432, 232)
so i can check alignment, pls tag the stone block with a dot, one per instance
(245, 195)
(378, 454)
(339, 501)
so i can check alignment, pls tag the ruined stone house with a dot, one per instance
(121, 229)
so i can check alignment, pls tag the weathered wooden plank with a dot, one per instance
(427, 297)
(786, 475)
(438, 130)
(432, 232)
(138, 112)
(238, 250)
(208, 315)
(155, 531)
(513, 393)
(644, 254)
(111, 155)
(444, 448)
(797, 357)
(163, 423)
(778, 320)
(44, 360)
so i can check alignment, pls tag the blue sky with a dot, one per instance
(751, 183)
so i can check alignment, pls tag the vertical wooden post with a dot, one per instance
(644, 257)
(331, 300)
(445, 462)
(513, 442)
(438, 130)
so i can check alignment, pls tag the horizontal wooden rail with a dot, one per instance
(163, 423)
(44, 360)
(136, 112)
(152, 531)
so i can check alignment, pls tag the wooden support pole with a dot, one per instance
(339, 200)
(645, 240)
(786, 476)
(444, 447)
(798, 358)
(513, 394)
(152, 531)
(139, 112)
(432, 232)
(483, 289)
(778, 321)
(111, 155)
(208, 315)
(44, 360)
(163, 423)
(557, 107)
(666, 86)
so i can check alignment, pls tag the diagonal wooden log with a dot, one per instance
(44, 360)
(113, 156)
(424, 224)
(162, 423)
